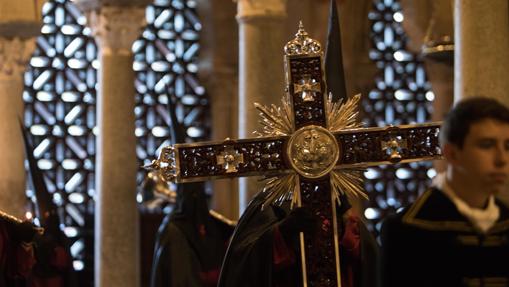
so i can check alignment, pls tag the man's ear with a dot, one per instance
(450, 152)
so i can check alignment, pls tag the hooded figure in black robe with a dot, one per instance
(52, 248)
(191, 241)
(264, 250)
(16, 251)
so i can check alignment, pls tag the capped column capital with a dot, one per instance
(249, 10)
(115, 28)
(15, 53)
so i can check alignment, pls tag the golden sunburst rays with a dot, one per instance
(342, 116)
(281, 189)
(343, 181)
(349, 182)
(276, 121)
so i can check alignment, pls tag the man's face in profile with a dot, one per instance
(484, 158)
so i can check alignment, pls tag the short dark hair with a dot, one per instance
(467, 112)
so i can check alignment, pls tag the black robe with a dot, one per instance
(190, 244)
(54, 263)
(249, 259)
(16, 257)
(432, 244)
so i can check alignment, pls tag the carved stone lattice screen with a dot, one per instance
(401, 95)
(60, 100)
(165, 63)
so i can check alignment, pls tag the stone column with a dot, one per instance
(19, 24)
(116, 216)
(261, 69)
(482, 49)
(14, 56)
(218, 72)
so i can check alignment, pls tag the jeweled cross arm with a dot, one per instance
(269, 156)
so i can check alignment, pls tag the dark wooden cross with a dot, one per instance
(311, 151)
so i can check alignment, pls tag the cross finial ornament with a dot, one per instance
(302, 44)
(310, 151)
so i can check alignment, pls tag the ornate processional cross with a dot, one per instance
(310, 150)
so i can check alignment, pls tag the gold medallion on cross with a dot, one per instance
(311, 150)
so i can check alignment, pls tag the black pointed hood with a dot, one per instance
(47, 213)
(45, 209)
(191, 214)
(191, 198)
(335, 75)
